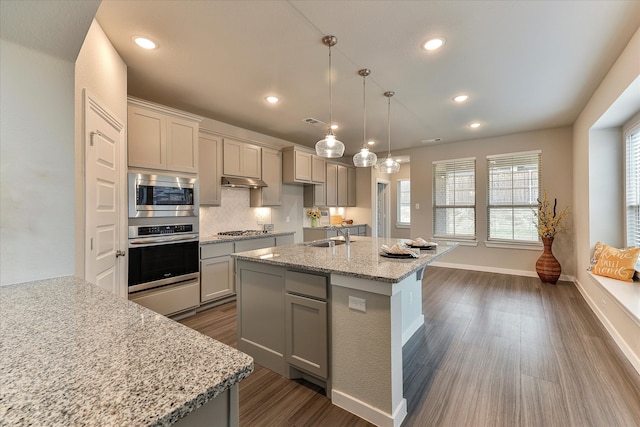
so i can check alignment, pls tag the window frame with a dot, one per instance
(399, 204)
(632, 184)
(454, 165)
(532, 205)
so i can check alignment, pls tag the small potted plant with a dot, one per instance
(314, 215)
(548, 222)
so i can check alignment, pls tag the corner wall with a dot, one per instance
(100, 70)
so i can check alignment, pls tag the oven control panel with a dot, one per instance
(161, 230)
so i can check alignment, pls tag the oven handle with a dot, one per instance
(167, 239)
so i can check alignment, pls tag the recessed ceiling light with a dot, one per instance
(474, 125)
(145, 43)
(371, 142)
(433, 44)
(461, 98)
(334, 126)
(272, 99)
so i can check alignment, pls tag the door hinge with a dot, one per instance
(91, 240)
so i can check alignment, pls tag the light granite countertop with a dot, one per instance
(362, 260)
(73, 354)
(221, 239)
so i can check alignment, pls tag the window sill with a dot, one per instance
(533, 246)
(461, 242)
(403, 225)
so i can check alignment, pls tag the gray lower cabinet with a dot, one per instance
(306, 324)
(282, 318)
(261, 314)
(216, 271)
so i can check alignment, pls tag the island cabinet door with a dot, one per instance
(306, 334)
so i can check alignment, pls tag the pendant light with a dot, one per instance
(330, 146)
(389, 165)
(364, 158)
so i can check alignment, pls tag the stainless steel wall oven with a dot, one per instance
(161, 255)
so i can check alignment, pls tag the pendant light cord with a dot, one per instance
(330, 96)
(364, 104)
(389, 124)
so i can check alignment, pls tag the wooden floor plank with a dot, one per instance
(495, 350)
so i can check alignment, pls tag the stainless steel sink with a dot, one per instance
(327, 242)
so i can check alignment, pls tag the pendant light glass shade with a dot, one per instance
(389, 165)
(330, 146)
(364, 158)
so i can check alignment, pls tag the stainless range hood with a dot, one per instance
(239, 182)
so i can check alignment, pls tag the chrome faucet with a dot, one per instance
(344, 232)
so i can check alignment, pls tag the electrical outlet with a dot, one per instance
(417, 206)
(358, 304)
(288, 219)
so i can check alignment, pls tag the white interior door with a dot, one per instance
(104, 136)
(382, 209)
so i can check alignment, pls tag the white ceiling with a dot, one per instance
(526, 65)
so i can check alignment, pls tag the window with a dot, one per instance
(454, 198)
(404, 202)
(632, 184)
(512, 193)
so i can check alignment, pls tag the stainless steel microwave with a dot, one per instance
(162, 196)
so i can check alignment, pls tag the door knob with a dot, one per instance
(120, 253)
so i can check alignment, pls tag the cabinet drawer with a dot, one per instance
(312, 285)
(216, 249)
(171, 299)
(253, 244)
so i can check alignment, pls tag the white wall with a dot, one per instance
(100, 70)
(36, 165)
(614, 102)
(556, 179)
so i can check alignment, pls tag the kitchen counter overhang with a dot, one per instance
(361, 259)
(73, 353)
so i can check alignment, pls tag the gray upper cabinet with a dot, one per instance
(332, 184)
(302, 167)
(161, 138)
(210, 168)
(272, 176)
(342, 186)
(351, 187)
(242, 159)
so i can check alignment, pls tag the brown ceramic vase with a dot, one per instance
(547, 266)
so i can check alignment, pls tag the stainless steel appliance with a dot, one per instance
(162, 255)
(162, 196)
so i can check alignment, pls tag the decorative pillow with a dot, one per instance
(615, 263)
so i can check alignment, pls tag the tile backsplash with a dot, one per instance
(233, 213)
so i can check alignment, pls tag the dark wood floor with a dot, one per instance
(496, 350)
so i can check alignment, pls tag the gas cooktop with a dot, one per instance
(242, 233)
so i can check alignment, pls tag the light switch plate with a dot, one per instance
(358, 304)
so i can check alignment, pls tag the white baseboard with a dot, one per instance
(412, 329)
(631, 356)
(368, 412)
(525, 273)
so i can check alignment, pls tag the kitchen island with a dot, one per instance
(74, 354)
(370, 307)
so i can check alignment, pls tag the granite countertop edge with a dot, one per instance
(258, 256)
(197, 370)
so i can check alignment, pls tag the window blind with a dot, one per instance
(454, 198)
(632, 184)
(512, 193)
(404, 202)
